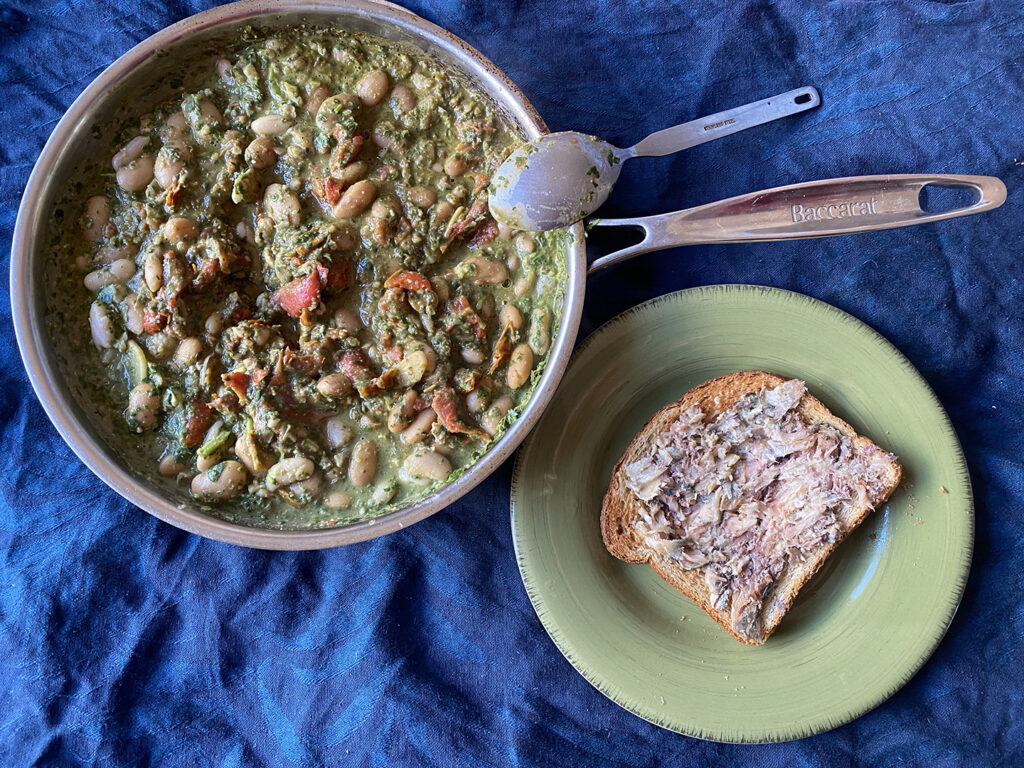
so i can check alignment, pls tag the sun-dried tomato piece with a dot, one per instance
(409, 281)
(197, 422)
(301, 293)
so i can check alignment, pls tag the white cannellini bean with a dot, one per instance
(524, 243)
(401, 413)
(249, 454)
(152, 270)
(208, 462)
(100, 326)
(288, 471)
(136, 175)
(404, 99)
(385, 209)
(101, 278)
(510, 315)
(421, 197)
(373, 87)
(223, 481)
(316, 98)
(209, 112)
(338, 500)
(338, 432)
(443, 211)
(260, 153)
(123, 270)
(282, 205)
(355, 199)
(166, 167)
(178, 145)
(97, 214)
(170, 466)
(270, 125)
(496, 413)
(187, 352)
(428, 351)
(525, 284)
(455, 165)
(383, 139)
(481, 270)
(540, 331)
(308, 488)
(119, 272)
(108, 254)
(383, 493)
(472, 356)
(129, 152)
(327, 113)
(477, 400)
(214, 323)
(176, 123)
(352, 172)
(143, 404)
(179, 229)
(133, 317)
(420, 427)
(334, 385)
(427, 466)
(519, 366)
(363, 465)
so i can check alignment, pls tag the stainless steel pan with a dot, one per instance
(804, 210)
(129, 81)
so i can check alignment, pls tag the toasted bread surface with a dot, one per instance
(621, 508)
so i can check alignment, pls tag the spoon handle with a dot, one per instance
(721, 124)
(812, 209)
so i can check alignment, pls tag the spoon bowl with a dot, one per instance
(554, 180)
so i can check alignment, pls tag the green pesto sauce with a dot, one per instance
(279, 320)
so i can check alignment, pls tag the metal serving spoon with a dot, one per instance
(560, 178)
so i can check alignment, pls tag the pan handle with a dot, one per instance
(813, 209)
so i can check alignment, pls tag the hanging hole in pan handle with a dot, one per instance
(946, 197)
(803, 98)
(942, 198)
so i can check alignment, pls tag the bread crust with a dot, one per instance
(620, 508)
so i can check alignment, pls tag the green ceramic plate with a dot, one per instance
(858, 631)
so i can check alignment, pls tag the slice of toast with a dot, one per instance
(626, 519)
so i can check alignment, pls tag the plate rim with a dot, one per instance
(964, 562)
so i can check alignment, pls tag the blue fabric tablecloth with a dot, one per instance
(124, 641)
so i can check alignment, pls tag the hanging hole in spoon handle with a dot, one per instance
(813, 209)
